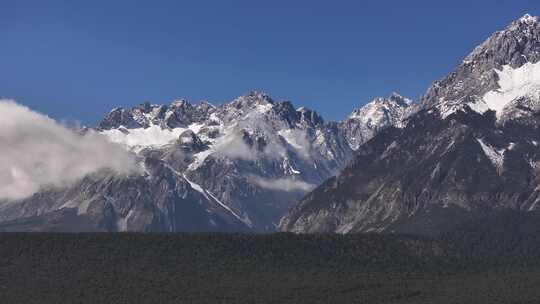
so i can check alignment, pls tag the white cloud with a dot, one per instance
(298, 140)
(36, 152)
(283, 184)
(232, 145)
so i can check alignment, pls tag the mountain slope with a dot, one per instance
(471, 148)
(160, 199)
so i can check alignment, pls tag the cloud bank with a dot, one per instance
(37, 152)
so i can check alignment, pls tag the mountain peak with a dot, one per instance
(528, 19)
(365, 122)
(495, 63)
(253, 98)
(258, 95)
(206, 103)
(179, 102)
(396, 97)
(520, 25)
(519, 39)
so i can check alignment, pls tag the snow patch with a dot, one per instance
(264, 108)
(82, 208)
(123, 221)
(246, 220)
(495, 156)
(514, 83)
(196, 187)
(436, 171)
(479, 106)
(199, 159)
(451, 107)
(152, 137)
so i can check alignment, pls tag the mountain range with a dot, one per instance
(238, 166)
(467, 148)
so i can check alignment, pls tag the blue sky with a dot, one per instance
(75, 60)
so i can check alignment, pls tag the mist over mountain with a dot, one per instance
(38, 152)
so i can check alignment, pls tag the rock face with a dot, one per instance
(471, 148)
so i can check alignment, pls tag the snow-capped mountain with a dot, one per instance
(254, 154)
(370, 119)
(471, 148)
(498, 72)
(234, 167)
